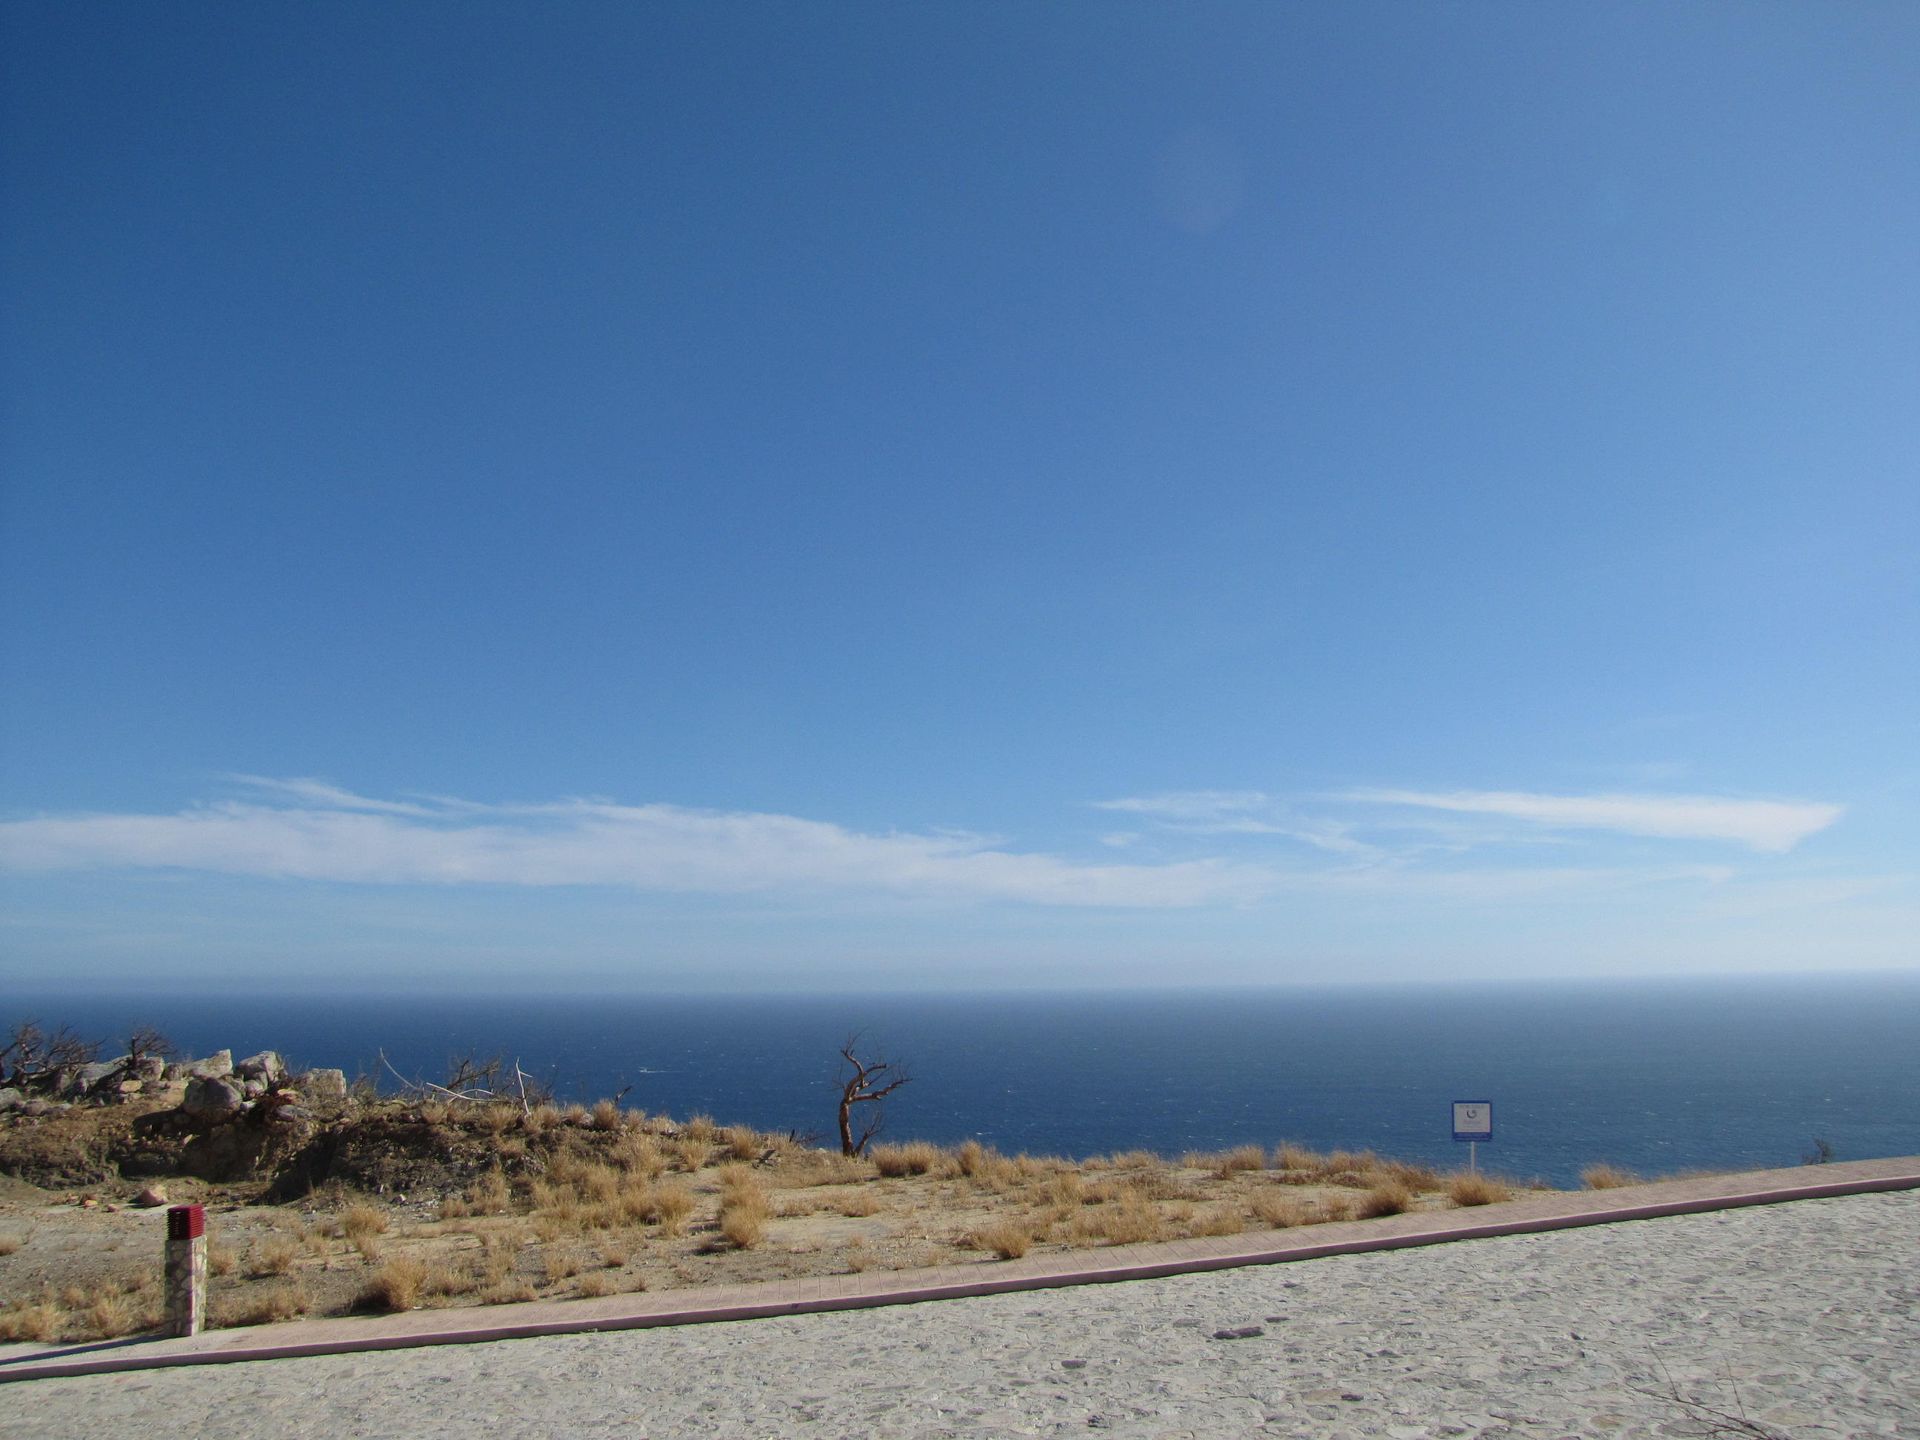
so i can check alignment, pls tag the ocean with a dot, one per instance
(1657, 1077)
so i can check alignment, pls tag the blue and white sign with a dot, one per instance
(1473, 1120)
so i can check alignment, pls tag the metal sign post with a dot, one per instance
(1473, 1122)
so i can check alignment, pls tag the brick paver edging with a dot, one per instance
(1528, 1215)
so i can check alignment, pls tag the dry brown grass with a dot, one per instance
(859, 1204)
(1278, 1210)
(1387, 1198)
(396, 1285)
(895, 1161)
(360, 1223)
(40, 1321)
(593, 1286)
(1008, 1239)
(10, 1243)
(220, 1260)
(1607, 1177)
(273, 1257)
(1218, 1221)
(1242, 1158)
(508, 1292)
(559, 1265)
(269, 1306)
(669, 1207)
(1473, 1188)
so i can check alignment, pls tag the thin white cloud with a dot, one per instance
(324, 833)
(1768, 825)
(1188, 804)
(1236, 812)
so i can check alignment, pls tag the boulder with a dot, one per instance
(213, 1098)
(324, 1084)
(150, 1069)
(153, 1195)
(217, 1064)
(82, 1079)
(11, 1099)
(266, 1067)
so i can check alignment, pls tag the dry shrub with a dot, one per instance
(745, 1144)
(613, 1257)
(1389, 1197)
(743, 1227)
(1333, 1208)
(1607, 1177)
(857, 1255)
(539, 1119)
(1131, 1219)
(895, 1161)
(271, 1306)
(1417, 1178)
(360, 1223)
(1278, 1211)
(1241, 1158)
(970, 1158)
(576, 1114)
(10, 1243)
(494, 1119)
(454, 1207)
(220, 1260)
(559, 1265)
(606, 1115)
(1218, 1221)
(1065, 1189)
(701, 1128)
(273, 1257)
(637, 1154)
(510, 1292)
(111, 1315)
(670, 1207)
(40, 1321)
(1007, 1239)
(1473, 1188)
(75, 1297)
(396, 1285)
(1135, 1160)
(449, 1280)
(860, 1204)
(1291, 1157)
(690, 1153)
(490, 1195)
(593, 1286)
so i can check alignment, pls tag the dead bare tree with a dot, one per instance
(30, 1056)
(866, 1082)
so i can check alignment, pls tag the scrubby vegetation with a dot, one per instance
(475, 1194)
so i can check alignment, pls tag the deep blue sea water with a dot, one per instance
(1658, 1077)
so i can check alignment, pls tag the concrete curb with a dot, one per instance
(1525, 1216)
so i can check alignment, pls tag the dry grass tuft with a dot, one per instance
(39, 1321)
(396, 1285)
(1473, 1188)
(220, 1260)
(360, 1223)
(10, 1243)
(670, 1206)
(273, 1257)
(1607, 1177)
(1221, 1220)
(860, 1204)
(508, 1292)
(1008, 1240)
(1278, 1211)
(1242, 1158)
(593, 1286)
(263, 1307)
(895, 1161)
(1388, 1198)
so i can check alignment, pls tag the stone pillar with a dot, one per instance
(186, 1269)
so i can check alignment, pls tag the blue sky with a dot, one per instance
(616, 496)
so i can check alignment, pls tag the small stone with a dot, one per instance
(1073, 1364)
(1244, 1332)
(151, 1196)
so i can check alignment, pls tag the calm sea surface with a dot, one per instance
(1658, 1077)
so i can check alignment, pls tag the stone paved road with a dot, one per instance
(1807, 1314)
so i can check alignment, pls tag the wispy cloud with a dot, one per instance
(314, 831)
(1768, 825)
(1236, 812)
